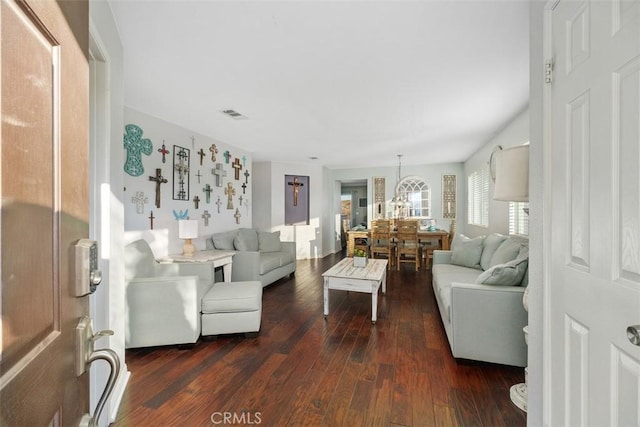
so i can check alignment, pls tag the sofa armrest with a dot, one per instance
(289, 247)
(487, 323)
(442, 257)
(246, 266)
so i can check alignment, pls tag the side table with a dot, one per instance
(216, 258)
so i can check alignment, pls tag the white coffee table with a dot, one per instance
(344, 276)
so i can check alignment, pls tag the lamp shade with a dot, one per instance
(512, 174)
(188, 228)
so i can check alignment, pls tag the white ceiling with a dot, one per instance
(353, 83)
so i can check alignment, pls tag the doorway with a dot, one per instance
(354, 202)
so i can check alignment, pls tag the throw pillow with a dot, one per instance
(224, 241)
(507, 274)
(507, 251)
(467, 252)
(269, 242)
(491, 244)
(246, 240)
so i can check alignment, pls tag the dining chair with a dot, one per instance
(408, 246)
(382, 244)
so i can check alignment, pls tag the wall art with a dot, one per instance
(136, 146)
(448, 196)
(296, 199)
(181, 164)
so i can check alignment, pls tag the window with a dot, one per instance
(478, 197)
(519, 218)
(418, 194)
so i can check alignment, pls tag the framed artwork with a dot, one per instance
(296, 200)
(181, 160)
(362, 202)
(378, 197)
(449, 196)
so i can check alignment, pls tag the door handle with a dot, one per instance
(86, 355)
(633, 333)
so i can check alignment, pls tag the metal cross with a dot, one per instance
(140, 199)
(206, 215)
(237, 166)
(151, 217)
(199, 176)
(244, 188)
(164, 152)
(214, 151)
(201, 154)
(246, 176)
(240, 200)
(207, 189)
(237, 216)
(244, 161)
(196, 201)
(219, 203)
(227, 156)
(219, 174)
(159, 180)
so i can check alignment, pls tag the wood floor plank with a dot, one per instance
(305, 370)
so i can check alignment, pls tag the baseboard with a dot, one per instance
(118, 394)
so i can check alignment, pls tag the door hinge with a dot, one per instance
(548, 71)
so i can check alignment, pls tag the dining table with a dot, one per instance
(441, 235)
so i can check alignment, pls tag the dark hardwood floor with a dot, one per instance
(303, 370)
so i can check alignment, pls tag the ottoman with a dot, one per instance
(232, 307)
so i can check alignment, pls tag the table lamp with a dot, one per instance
(512, 174)
(187, 230)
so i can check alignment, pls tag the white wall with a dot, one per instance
(107, 213)
(164, 236)
(514, 133)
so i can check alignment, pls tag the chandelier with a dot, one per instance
(399, 200)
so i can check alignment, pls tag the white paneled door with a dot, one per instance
(593, 274)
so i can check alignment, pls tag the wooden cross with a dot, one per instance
(214, 151)
(206, 215)
(227, 156)
(196, 201)
(199, 176)
(201, 154)
(237, 216)
(140, 199)
(159, 180)
(246, 176)
(244, 161)
(219, 203)
(164, 152)
(151, 217)
(237, 166)
(219, 174)
(207, 189)
(244, 188)
(230, 192)
(296, 186)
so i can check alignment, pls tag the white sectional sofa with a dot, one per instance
(479, 285)
(259, 255)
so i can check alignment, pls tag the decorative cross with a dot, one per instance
(240, 200)
(244, 161)
(196, 201)
(214, 151)
(246, 176)
(201, 154)
(219, 203)
(159, 180)
(199, 176)
(151, 217)
(140, 199)
(136, 146)
(230, 192)
(219, 174)
(237, 166)
(237, 216)
(244, 188)
(164, 152)
(206, 215)
(207, 189)
(296, 186)
(227, 156)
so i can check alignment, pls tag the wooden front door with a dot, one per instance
(594, 257)
(44, 188)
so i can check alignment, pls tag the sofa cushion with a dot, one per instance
(246, 240)
(491, 244)
(509, 273)
(230, 297)
(272, 260)
(467, 252)
(507, 251)
(269, 242)
(224, 241)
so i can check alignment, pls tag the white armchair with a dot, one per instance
(163, 301)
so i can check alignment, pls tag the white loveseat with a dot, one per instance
(483, 321)
(259, 255)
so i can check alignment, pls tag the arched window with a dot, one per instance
(418, 193)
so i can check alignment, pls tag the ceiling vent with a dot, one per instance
(234, 114)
